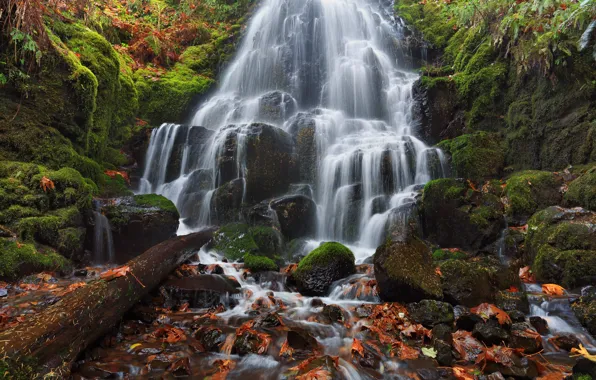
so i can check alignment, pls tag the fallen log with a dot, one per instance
(49, 342)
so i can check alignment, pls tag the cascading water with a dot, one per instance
(333, 64)
(103, 242)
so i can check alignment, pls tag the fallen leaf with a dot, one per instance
(461, 373)
(429, 351)
(487, 310)
(582, 351)
(553, 290)
(46, 184)
(497, 354)
(357, 347)
(526, 275)
(115, 273)
(466, 345)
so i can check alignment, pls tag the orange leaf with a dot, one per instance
(461, 373)
(487, 310)
(553, 290)
(466, 345)
(111, 274)
(526, 275)
(357, 347)
(46, 184)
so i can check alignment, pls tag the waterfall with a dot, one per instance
(335, 63)
(103, 243)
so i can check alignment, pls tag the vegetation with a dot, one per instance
(324, 255)
(17, 260)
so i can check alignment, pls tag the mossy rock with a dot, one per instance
(259, 263)
(328, 263)
(18, 260)
(454, 215)
(572, 268)
(582, 191)
(476, 156)
(585, 310)
(155, 201)
(529, 191)
(447, 254)
(405, 272)
(237, 240)
(112, 187)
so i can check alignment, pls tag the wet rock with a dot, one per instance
(529, 191)
(405, 273)
(465, 319)
(585, 310)
(270, 320)
(443, 332)
(524, 336)
(431, 312)
(565, 341)
(584, 367)
(3, 292)
(495, 376)
(334, 314)
(516, 316)
(227, 201)
(540, 324)
(81, 272)
(509, 301)
(490, 333)
(202, 291)
(452, 216)
(323, 266)
(582, 191)
(521, 369)
(301, 340)
(433, 109)
(317, 302)
(297, 216)
(211, 338)
(466, 283)
(302, 127)
(276, 106)
(562, 243)
(250, 342)
(327, 365)
(444, 352)
(139, 223)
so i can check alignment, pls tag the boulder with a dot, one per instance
(529, 191)
(465, 319)
(431, 312)
(453, 215)
(405, 273)
(476, 156)
(540, 324)
(236, 240)
(472, 282)
(585, 310)
(582, 191)
(490, 332)
(435, 110)
(524, 336)
(319, 269)
(226, 202)
(565, 341)
(201, 291)
(562, 244)
(276, 107)
(302, 128)
(297, 216)
(510, 301)
(211, 338)
(139, 223)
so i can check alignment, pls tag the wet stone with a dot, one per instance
(524, 336)
(565, 342)
(540, 324)
(333, 314)
(81, 273)
(465, 319)
(444, 352)
(490, 332)
(202, 291)
(443, 331)
(516, 316)
(430, 312)
(211, 338)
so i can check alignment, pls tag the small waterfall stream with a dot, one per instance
(337, 65)
(103, 242)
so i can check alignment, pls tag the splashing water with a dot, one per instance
(103, 242)
(334, 63)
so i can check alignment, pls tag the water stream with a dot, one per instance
(103, 242)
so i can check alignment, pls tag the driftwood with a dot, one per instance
(50, 341)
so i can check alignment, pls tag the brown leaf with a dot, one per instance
(553, 290)
(111, 274)
(487, 310)
(497, 354)
(46, 184)
(462, 373)
(526, 275)
(357, 347)
(466, 345)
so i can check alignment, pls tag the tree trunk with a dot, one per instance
(50, 341)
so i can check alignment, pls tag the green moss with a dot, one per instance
(427, 18)
(324, 255)
(112, 187)
(269, 240)
(45, 228)
(70, 241)
(446, 254)
(475, 156)
(168, 97)
(570, 268)
(582, 191)
(259, 263)
(235, 241)
(445, 189)
(17, 260)
(530, 191)
(154, 200)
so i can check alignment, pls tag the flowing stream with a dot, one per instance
(334, 64)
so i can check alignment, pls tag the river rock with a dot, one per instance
(202, 291)
(431, 312)
(524, 336)
(323, 266)
(211, 338)
(540, 324)
(465, 319)
(490, 332)
(139, 223)
(453, 216)
(276, 106)
(565, 341)
(297, 216)
(405, 273)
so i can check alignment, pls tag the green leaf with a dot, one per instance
(430, 352)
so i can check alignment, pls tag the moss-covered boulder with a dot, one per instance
(405, 272)
(297, 216)
(18, 260)
(562, 244)
(454, 215)
(582, 191)
(319, 269)
(237, 240)
(430, 313)
(585, 309)
(45, 206)
(476, 156)
(302, 128)
(259, 263)
(139, 223)
(474, 281)
(226, 204)
(529, 191)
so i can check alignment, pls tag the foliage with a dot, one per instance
(18, 259)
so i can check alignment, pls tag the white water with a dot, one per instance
(336, 62)
(103, 242)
